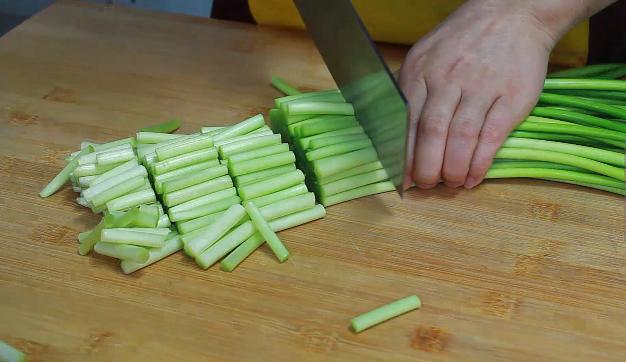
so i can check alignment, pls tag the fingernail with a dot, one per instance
(426, 186)
(453, 184)
(407, 183)
(471, 182)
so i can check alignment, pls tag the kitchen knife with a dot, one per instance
(363, 78)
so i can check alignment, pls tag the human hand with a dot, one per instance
(469, 83)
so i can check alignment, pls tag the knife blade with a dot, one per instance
(363, 78)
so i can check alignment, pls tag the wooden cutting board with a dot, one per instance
(512, 271)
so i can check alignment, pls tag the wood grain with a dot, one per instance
(511, 271)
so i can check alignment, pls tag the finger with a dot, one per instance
(432, 133)
(414, 89)
(500, 121)
(463, 136)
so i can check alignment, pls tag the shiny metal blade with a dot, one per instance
(363, 78)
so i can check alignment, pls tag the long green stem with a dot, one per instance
(505, 163)
(609, 101)
(613, 74)
(548, 136)
(619, 144)
(573, 109)
(591, 93)
(610, 157)
(572, 129)
(586, 84)
(561, 175)
(562, 158)
(577, 102)
(585, 71)
(577, 117)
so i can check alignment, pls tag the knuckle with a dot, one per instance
(452, 176)
(427, 180)
(454, 173)
(481, 164)
(426, 177)
(492, 134)
(464, 128)
(433, 126)
(414, 59)
(479, 169)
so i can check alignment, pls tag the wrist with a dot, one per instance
(551, 19)
(557, 17)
